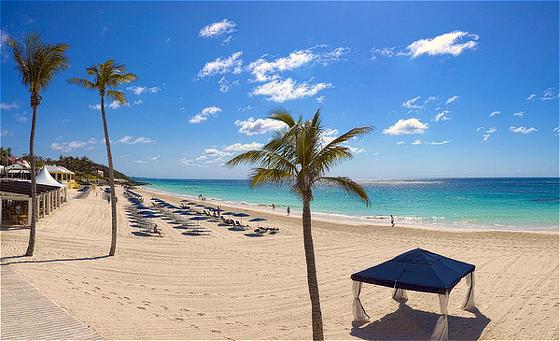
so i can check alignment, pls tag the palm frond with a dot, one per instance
(282, 115)
(355, 132)
(84, 83)
(347, 185)
(118, 96)
(259, 176)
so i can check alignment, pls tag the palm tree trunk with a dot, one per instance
(316, 316)
(111, 181)
(32, 227)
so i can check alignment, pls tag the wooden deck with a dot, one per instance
(27, 314)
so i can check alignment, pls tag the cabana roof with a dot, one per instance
(45, 178)
(57, 169)
(24, 187)
(418, 270)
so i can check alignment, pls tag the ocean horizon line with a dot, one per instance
(370, 180)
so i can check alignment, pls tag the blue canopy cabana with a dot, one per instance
(418, 270)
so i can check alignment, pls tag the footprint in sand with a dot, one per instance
(201, 314)
(184, 309)
(179, 319)
(216, 331)
(194, 326)
(141, 308)
(166, 308)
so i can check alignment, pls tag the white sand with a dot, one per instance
(228, 285)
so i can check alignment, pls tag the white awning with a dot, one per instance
(45, 178)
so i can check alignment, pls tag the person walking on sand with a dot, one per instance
(273, 207)
(288, 211)
(392, 221)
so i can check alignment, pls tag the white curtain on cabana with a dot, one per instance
(400, 295)
(358, 310)
(469, 298)
(441, 329)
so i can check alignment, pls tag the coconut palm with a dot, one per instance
(106, 78)
(37, 63)
(300, 156)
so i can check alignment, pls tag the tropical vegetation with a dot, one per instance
(301, 156)
(37, 63)
(106, 78)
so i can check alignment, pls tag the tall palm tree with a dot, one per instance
(300, 156)
(106, 78)
(37, 63)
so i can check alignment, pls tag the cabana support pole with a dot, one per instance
(469, 298)
(441, 330)
(358, 310)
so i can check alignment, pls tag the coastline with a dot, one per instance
(348, 219)
(223, 283)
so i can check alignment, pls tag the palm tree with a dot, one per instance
(300, 156)
(37, 63)
(107, 77)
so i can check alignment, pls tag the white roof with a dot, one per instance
(58, 169)
(18, 166)
(45, 178)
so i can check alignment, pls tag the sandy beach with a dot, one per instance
(226, 285)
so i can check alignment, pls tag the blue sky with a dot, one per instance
(452, 89)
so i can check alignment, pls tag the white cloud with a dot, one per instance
(434, 143)
(68, 146)
(189, 163)
(218, 28)
(204, 114)
(115, 105)
(263, 70)
(239, 147)
(224, 85)
(416, 142)
(3, 37)
(355, 150)
(519, 114)
(22, 117)
(320, 99)
(400, 142)
(441, 116)
(522, 130)
(491, 130)
(407, 127)
(550, 94)
(259, 126)
(451, 99)
(8, 106)
(556, 131)
(412, 103)
(333, 56)
(386, 52)
(531, 97)
(233, 64)
(453, 43)
(431, 99)
(285, 90)
(494, 113)
(139, 90)
(5, 133)
(140, 161)
(135, 140)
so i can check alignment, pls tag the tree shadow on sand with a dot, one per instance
(25, 260)
(408, 324)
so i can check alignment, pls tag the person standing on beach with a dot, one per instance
(273, 207)
(392, 221)
(288, 211)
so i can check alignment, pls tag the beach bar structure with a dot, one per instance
(60, 173)
(15, 196)
(417, 270)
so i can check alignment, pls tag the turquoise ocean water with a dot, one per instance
(495, 203)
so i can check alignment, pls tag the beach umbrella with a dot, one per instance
(240, 215)
(198, 219)
(185, 200)
(257, 220)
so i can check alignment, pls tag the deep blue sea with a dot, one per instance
(495, 203)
